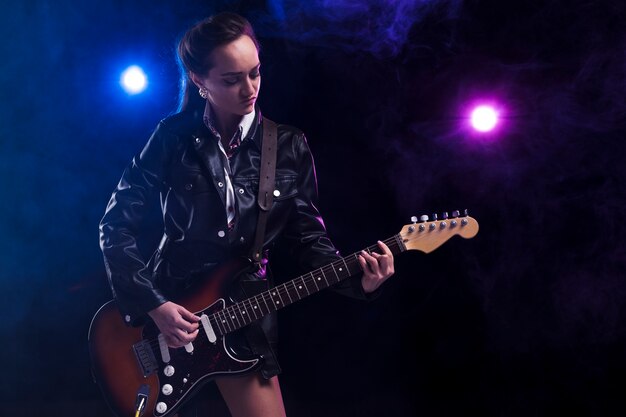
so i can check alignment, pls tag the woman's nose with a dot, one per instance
(248, 88)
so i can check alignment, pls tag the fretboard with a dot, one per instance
(254, 308)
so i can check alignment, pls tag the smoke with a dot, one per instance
(548, 187)
(381, 28)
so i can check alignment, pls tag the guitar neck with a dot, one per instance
(254, 308)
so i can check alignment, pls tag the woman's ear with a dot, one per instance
(196, 79)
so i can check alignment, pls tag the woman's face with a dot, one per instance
(234, 81)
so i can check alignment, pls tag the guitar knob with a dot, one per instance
(169, 370)
(161, 407)
(167, 389)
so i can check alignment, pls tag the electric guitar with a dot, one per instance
(138, 373)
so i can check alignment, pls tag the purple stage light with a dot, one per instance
(484, 118)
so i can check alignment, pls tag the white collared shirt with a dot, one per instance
(242, 131)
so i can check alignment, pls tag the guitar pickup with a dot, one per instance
(145, 357)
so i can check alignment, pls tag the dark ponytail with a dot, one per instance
(196, 46)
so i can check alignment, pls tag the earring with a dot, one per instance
(203, 93)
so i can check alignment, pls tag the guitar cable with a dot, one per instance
(140, 402)
(140, 407)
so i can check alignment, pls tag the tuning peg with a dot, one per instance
(444, 215)
(455, 213)
(465, 222)
(413, 219)
(434, 217)
(423, 218)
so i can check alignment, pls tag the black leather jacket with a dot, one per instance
(182, 162)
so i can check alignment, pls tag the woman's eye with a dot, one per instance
(231, 81)
(255, 74)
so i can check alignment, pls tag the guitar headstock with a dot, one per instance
(427, 234)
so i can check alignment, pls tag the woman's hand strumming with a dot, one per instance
(178, 325)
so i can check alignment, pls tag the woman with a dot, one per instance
(204, 162)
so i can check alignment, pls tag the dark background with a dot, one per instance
(526, 319)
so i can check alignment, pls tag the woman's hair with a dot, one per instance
(196, 46)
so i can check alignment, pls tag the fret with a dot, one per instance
(245, 314)
(356, 258)
(215, 323)
(303, 285)
(287, 291)
(224, 317)
(401, 246)
(276, 303)
(314, 281)
(294, 290)
(335, 271)
(233, 316)
(307, 284)
(282, 301)
(265, 301)
(346, 265)
(240, 314)
(324, 275)
(255, 307)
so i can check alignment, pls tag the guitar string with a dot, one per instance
(283, 289)
(395, 242)
(307, 278)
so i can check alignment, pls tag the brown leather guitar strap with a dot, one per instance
(257, 338)
(267, 174)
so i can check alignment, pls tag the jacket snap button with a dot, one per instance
(127, 318)
(241, 191)
(188, 187)
(220, 184)
(197, 140)
(276, 193)
(221, 233)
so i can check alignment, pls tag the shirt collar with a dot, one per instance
(245, 127)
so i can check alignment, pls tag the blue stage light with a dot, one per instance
(134, 80)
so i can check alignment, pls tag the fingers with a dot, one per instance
(385, 249)
(376, 267)
(370, 262)
(385, 260)
(187, 320)
(184, 329)
(179, 338)
(188, 315)
(378, 264)
(178, 325)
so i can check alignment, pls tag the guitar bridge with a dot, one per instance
(145, 357)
